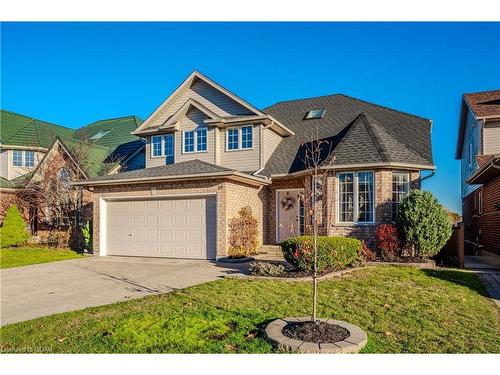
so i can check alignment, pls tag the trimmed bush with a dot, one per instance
(13, 231)
(333, 252)
(243, 232)
(388, 241)
(266, 269)
(423, 223)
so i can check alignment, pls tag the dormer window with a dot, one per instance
(239, 138)
(315, 114)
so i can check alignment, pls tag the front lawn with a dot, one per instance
(25, 255)
(402, 310)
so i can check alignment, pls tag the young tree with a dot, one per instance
(317, 155)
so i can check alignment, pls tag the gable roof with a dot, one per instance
(483, 105)
(359, 133)
(187, 82)
(19, 130)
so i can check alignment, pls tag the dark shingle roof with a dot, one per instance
(170, 170)
(359, 132)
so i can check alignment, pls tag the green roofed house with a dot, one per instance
(100, 148)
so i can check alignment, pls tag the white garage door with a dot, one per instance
(171, 228)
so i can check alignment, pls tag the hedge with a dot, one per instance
(333, 252)
(13, 231)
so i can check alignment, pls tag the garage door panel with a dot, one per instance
(180, 228)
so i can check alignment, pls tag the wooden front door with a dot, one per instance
(289, 214)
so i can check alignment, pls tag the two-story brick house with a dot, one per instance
(210, 153)
(478, 149)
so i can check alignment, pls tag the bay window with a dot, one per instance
(356, 197)
(29, 158)
(400, 187)
(195, 140)
(189, 141)
(201, 140)
(246, 137)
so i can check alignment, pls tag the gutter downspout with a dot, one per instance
(433, 172)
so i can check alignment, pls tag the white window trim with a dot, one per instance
(152, 146)
(240, 138)
(195, 142)
(162, 146)
(408, 187)
(355, 212)
(196, 139)
(22, 159)
(25, 158)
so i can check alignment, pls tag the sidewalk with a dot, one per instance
(487, 266)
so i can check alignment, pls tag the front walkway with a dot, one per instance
(44, 289)
(487, 265)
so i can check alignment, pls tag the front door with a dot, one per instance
(290, 214)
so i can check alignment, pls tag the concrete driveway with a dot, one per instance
(44, 289)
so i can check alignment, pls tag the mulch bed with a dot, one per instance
(319, 332)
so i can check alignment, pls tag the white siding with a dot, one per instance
(491, 140)
(4, 164)
(472, 137)
(241, 160)
(203, 93)
(271, 141)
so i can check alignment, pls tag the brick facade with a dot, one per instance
(232, 196)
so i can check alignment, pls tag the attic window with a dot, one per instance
(315, 114)
(99, 135)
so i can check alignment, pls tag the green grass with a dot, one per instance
(403, 310)
(24, 256)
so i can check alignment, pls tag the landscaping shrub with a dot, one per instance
(368, 254)
(243, 232)
(13, 231)
(388, 241)
(423, 223)
(333, 252)
(266, 269)
(76, 240)
(87, 234)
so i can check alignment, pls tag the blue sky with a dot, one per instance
(75, 73)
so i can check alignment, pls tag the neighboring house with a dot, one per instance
(209, 153)
(30, 149)
(478, 149)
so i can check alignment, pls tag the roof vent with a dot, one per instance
(315, 114)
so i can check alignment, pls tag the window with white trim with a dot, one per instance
(233, 139)
(17, 158)
(356, 203)
(29, 159)
(189, 141)
(201, 139)
(246, 137)
(239, 138)
(156, 146)
(400, 187)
